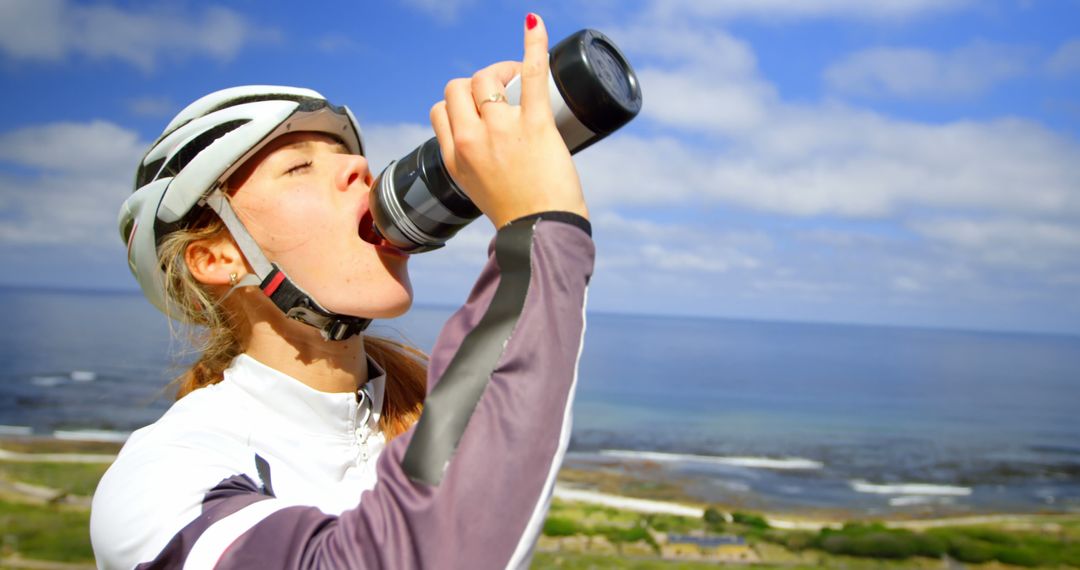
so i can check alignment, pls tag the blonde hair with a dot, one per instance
(217, 334)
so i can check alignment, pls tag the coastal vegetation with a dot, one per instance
(44, 517)
(1048, 542)
(968, 544)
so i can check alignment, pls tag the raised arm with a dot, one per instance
(521, 333)
(469, 486)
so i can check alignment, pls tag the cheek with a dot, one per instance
(288, 222)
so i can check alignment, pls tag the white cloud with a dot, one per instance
(810, 159)
(983, 234)
(705, 81)
(1066, 60)
(85, 172)
(628, 170)
(772, 10)
(840, 238)
(631, 244)
(441, 10)
(52, 30)
(692, 99)
(679, 258)
(383, 142)
(62, 209)
(34, 30)
(834, 160)
(926, 74)
(685, 43)
(901, 189)
(1008, 242)
(97, 147)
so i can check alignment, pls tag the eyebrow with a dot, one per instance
(308, 143)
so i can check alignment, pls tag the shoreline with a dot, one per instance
(786, 522)
(48, 481)
(597, 487)
(800, 488)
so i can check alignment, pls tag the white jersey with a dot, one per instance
(320, 448)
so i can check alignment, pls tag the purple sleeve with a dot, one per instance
(472, 489)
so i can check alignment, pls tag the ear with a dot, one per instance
(212, 260)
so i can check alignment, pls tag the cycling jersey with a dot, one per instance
(261, 471)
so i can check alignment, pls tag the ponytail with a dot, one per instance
(406, 383)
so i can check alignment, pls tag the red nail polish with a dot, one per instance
(530, 21)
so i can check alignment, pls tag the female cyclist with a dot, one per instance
(295, 442)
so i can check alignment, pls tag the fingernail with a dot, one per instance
(530, 21)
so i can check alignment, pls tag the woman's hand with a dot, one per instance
(510, 160)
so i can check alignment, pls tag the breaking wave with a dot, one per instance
(784, 463)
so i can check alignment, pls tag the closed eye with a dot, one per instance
(298, 168)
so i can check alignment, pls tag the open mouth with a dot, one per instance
(367, 230)
(369, 233)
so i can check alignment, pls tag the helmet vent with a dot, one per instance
(192, 149)
(261, 97)
(147, 173)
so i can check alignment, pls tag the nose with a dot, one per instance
(354, 169)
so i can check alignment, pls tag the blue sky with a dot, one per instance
(911, 162)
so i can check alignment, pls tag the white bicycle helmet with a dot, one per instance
(186, 168)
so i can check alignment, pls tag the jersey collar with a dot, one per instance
(296, 406)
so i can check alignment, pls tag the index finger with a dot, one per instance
(503, 71)
(535, 98)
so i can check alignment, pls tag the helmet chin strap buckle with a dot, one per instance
(331, 328)
(299, 306)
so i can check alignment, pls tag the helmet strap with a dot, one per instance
(289, 297)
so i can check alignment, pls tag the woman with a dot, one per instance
(292, 446)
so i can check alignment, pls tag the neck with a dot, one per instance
(300, 351)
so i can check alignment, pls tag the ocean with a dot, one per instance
(760, 415)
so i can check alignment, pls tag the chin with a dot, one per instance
(383, 304)
(390, 311)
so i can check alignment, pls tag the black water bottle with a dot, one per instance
(416, 206)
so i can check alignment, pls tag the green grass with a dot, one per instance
(74, 478)
(974, 545)
(60, 533)
(1019, 548)
(45, 532)
(855, 543)
(749, 520)
(575, 561)
(49, 445)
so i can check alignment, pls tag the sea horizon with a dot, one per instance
(626, 313)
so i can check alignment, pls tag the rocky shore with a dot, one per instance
(613, 514)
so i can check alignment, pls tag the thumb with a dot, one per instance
(535, 98)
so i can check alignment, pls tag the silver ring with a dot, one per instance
(496, 97)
